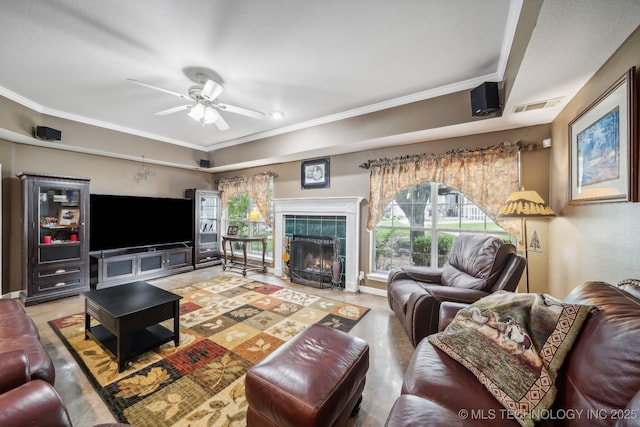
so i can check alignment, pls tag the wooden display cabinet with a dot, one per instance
(55, 237)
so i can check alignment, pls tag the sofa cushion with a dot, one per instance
(14, 324)
(515, 344)
(602, 370)
(14, 366)
(476, 261)
(40, 364)
(435, 376)
(411, 410)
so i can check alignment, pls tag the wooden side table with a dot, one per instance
(228, 262)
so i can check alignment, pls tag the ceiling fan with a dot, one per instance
(205, 96)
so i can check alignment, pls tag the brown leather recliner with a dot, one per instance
(477, 266)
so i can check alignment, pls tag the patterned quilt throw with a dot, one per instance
(515, 344)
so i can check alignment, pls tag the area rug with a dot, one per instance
(227, 325)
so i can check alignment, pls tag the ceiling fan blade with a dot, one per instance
(173, 110)
(211, 90)
(240, 110)
(221, 124)
(170, 92)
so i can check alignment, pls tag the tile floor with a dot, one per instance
(389, 347)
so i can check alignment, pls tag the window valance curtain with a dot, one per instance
(256, 187)
(485, 176)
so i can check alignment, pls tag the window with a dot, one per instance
(242, 213)
(419, 225)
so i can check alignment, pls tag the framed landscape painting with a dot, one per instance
(603, 147)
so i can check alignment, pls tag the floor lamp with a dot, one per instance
(523, 205)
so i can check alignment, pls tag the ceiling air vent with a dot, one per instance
(537, 105)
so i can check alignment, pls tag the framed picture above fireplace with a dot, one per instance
(315, 173)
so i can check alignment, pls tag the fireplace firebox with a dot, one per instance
(314, 260)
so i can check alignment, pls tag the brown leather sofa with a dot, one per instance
(27, 374)
(477, 266)
(19, 332)
(27, 402)
(598, 384)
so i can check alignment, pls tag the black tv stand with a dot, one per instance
(125, 265)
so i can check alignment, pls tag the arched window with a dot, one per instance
(419, 225)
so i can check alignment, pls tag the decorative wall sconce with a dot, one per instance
(143, 173)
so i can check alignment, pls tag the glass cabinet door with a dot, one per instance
(59, 212)
(208, 220)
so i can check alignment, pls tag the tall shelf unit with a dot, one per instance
(55, 261)
(206, 236)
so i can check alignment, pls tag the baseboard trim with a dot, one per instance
(374, 291)
(11, 295)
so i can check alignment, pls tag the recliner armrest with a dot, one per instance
(420, 274)
(450, 293)
(14, 370)
(30, 404)
(448, 311)
(423, 308)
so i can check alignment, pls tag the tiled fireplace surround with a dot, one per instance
(321, 207)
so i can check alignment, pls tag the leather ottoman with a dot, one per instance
(316, 379)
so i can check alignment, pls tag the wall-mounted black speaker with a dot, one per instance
(485, 99)
(204, 163)
(44, 132)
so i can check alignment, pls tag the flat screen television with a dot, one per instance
(118, 222)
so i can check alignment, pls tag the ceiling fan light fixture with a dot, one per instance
(197, 112)
(211, 90)
(205, 105)
(276, 115)
(210, 115)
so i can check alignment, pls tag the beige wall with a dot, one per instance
(349, 179)
(20, 121)
(116, 176)
(108, 176)
(591, 242)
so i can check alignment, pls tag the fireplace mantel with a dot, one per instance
(348, 207)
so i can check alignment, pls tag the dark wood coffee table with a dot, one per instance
(129, 317)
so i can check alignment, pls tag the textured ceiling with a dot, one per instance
(317, 61)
